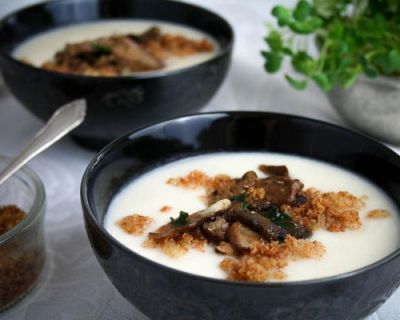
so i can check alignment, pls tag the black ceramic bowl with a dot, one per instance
(117, 104)
(164, 293)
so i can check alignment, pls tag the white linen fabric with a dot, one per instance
(73, 285)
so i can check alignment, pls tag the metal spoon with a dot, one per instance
(66, 118)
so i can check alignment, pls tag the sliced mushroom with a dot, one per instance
(216, 230)
(129, 52)
(281, 171)
(299, 200)
(225, 248)
(194, 220)
(258, 223)
(280, 190)
(248, 179)
(152, 34)
(241, 237)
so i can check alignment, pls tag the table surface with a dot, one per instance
(73, 285)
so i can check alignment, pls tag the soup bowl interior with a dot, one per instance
(115, 104)
(161, 292)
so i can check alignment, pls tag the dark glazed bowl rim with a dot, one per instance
(89, 214)
(145, 75)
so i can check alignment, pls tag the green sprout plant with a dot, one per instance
(353, 37)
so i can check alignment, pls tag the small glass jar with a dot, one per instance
(22, 249)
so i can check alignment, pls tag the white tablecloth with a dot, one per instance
(73, 285)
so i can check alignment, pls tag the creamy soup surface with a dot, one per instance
(345, 251)
(41, 48)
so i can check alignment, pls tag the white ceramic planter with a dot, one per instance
(372, 106)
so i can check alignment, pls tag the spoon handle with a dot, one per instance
(66, 118)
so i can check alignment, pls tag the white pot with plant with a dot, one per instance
(357, 61)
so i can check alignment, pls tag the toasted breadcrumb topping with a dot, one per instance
(333, 211)
(178, 246)
(165, 209)
(256, 193)
(134, 224)
(266, 261)
(193, 180)
(378, 214)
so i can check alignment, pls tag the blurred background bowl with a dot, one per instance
(22, 249)
(115, 104)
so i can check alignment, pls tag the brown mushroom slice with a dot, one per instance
(280, 190)
(216, 230)
(248, 179)
(225, 248)
(193, 221)
(241, 237)
(281, 171)
(258, 223)
(152, 34)
(130, 53)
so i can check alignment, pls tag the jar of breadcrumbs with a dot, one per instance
(22, 248)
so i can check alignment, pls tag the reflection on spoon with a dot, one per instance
(65, 119)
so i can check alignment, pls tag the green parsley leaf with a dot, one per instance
(239, 198)
(242, 198)
(244, 205)
(101, 49)
(278, 217)
(181, 220)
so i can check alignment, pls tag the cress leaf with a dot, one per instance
(302, 11)
(282, 15)
(297, 84)
(368, 69)
(303, 63)
(348, 78)
(325, 8)
(388, 62)
(323, 81)
(394, 60)
(305, 27)
(274, 41)
(273, 61)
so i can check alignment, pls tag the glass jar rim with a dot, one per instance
(35, 210)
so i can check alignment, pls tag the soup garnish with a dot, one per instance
(122, 54)
(259, 223)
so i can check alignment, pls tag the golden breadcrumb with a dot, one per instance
(333, 211)
(134, 224)
(378, 214)
(165, 209)
(266, 261)
(193, 180)
(256, 193)
(178, 246)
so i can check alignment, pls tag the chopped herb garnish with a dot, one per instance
(244, 206)
(239, 198)
(242, 199)
(181, 220)
(101, 49)
(278, 217)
